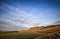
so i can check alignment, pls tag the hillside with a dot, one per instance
(48, 32)
(53, 35)
(47, 29)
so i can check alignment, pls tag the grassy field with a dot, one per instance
(17, 35)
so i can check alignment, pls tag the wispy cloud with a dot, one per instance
(16, 18)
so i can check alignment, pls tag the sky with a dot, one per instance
(23, 14)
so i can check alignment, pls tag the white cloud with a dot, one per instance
(26, 17)
(18, 18)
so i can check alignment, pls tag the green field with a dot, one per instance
(17, 35)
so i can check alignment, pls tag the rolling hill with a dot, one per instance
(48, 32)
(47, 29)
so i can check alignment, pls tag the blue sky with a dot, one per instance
(23, 14)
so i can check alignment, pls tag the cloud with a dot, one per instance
(57, 22)
(16, 18)
(10, 26)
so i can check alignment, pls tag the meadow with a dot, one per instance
(17, 35)
(26, 35)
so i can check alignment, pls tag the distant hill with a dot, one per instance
(47, 29)
(48, 32)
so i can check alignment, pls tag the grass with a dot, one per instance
(16, 35)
